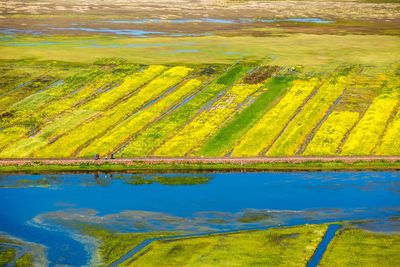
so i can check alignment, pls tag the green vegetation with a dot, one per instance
(154, 136)
(167, 180)
(356, 247)
(7, 255)
(297, 131)
(292, 246)
(223, 141)
(314, 52)
(143, 167)
(113, 245)
(116, 107)
(25, 261)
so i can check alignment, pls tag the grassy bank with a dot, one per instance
(291, 246)
(145, 167)
(356, 247)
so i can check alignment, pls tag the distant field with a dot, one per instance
(52, 109)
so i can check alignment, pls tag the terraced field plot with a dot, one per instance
(238, 110)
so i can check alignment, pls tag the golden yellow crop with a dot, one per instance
(265, 131)
(391, 140)
(367, 133)
(9, 134)
(69, 144)
(297, 131)
(207, 122)
(329, 137)
(129, 85)
(25, 147)
(136, 122)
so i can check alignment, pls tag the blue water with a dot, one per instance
(219, 21)
(29, 201)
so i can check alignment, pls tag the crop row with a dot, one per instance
(151, 138)
(267, 129)
(133, 110)
(367, 133)
(70, 143)
(123, 131)
(71, 119)
(223, 141)
(190, 138)
(329, 137)
(297, 131)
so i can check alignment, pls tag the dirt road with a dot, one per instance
(254, 160)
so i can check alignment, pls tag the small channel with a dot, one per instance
(329, 235)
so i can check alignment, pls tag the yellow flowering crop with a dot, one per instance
(207, 122)
(129, 85)
(329, 137)
(391, 140)
(302, 125)
(69, 144)
(265, 131)
(136, 122)
(367, 133)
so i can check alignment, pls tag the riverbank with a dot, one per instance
(148, 165)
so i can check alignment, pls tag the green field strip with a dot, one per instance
(52, 93)
(22, 111)
(298, 130)
(123, 131)
(329, 136)
(16, 79)
(367, 133)
(284, 246)
(26, 146)
(191, 137)
(30, 88)
(154, 136)
(390, 144)
(262, 134)
(74, 140)
(223, 141)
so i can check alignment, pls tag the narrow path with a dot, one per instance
(319, 252)
(199, 160)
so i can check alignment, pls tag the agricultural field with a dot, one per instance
(237, 110)
(199, 133)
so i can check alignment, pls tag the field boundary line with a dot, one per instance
(318, 126)
(203, 108)
(298, 110)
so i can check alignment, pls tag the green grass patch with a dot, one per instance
(113, 245)
(356, 247)
(142, 167)
(292, 246)
(224, 139)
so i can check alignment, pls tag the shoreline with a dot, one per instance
(148, 165)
